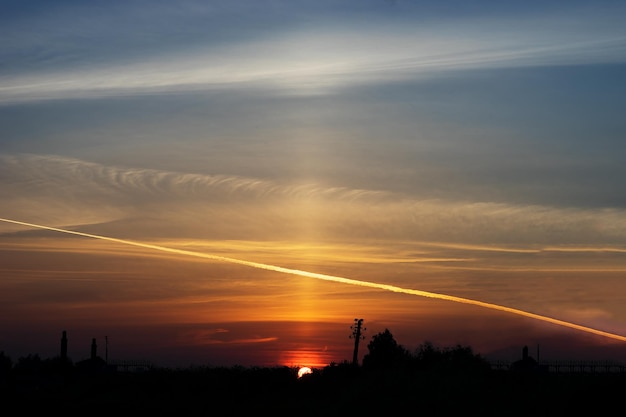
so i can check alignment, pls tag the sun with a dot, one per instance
(303, 371)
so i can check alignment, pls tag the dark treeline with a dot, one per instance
(430, 381)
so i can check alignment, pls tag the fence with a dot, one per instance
(570, 366)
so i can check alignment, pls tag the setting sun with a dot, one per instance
(303, 371)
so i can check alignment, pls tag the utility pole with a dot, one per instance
(357, 336)
(106, 349)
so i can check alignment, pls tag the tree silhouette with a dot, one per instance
(5, 367)
(5, 362)
(30, 364)
(385, 352)
(458, 358)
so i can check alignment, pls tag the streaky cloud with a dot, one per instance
(535, 250)
(60, 191)
(331, 278)
(309, 62)
(43, 171)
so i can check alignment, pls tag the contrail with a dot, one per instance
(332, 278)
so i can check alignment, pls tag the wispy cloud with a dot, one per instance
(41, 172)
(63, 191)
(220, 337)
(333, 278)
(313, 62)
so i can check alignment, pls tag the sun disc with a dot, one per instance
(303, 371)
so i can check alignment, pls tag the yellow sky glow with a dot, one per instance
(331, 278)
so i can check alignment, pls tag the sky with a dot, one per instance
(233, 183)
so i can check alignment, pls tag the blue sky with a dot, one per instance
(535, 86)
(473, 127)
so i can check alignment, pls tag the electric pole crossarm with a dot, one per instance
(357, 336)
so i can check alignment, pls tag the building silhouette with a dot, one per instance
(526, 364)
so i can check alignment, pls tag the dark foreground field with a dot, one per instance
(331, 391)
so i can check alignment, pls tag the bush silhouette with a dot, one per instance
(457, 358)
(385, 352)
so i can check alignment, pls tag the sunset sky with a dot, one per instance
(473, 149)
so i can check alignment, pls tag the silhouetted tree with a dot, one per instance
(5, 362)
(459, 358)
(385, 352)
(30, 364)
(56, 365)
(5, 367)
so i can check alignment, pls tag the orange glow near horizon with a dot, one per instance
(308, 357)
(336, 279)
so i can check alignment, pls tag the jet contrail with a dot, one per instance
(332, 278)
